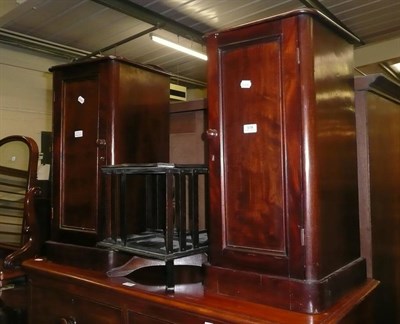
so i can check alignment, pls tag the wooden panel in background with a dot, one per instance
(378, 136)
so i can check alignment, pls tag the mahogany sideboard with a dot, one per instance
(61, 293)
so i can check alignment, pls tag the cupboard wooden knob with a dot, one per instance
(67, 320)
(101, 142)
(211, 133)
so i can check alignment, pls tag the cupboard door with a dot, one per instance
(253, 148)
(80, 170)
(255, 155)
(253, 151)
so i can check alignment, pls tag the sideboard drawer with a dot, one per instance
(152, 313)
(61, 307)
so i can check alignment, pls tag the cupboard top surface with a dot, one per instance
(108, 59)
(351, 38)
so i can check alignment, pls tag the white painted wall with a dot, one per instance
(25, 92)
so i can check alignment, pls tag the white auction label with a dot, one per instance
(245, 84)
(78, 133)
(249, 128)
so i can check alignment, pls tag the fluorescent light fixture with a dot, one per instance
(396, 67)
(178, 47)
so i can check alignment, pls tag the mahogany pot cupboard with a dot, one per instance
(283, 163)
(283, 212)
(106, 111)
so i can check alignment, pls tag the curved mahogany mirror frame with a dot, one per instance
(29, 243)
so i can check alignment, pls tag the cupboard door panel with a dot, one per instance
(253, 153)
(255, 133)
(80, 167)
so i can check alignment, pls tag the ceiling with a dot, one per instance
(73, 29)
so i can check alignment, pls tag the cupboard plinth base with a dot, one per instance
(306, 296)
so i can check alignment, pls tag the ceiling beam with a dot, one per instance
(385, 66)
(377, 52)
(15, 39)
(68, 53)
(152, 18)
(126, 40)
